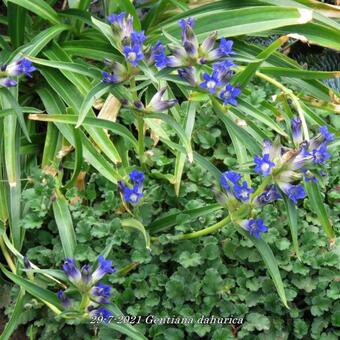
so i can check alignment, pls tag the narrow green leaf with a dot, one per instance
(64, 222)
(40, 293)
(105, 29)
(135, 224)
(316, 202)
(270, 262)
(292, 221)
(16, 24)
(15, 317)
(40, 8)
(300, 74)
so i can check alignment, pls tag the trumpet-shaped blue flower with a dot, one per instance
(229, 95)
(136, 177)
(327, 135)
(20, 67)
(255, 227)
(296, 130)
(122, 25)
(188, 74)
(211, 82)
(109, 78)
(270, 194)
(101, 293)
(7, 82)
(64, 299)
(133, 54)
(102, 312)
(242, 192)
(157, 104)
(229, 177)
(104, 267)
(72, 271)
(263, 165)
(158, 55)
(132, 195)
(294, 192)
(320, 155)
(226, 47)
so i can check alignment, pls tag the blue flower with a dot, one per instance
(133, 54)
(229, 176)
(132, 195)
(270, 194)
(7, 82)
(64, 300)
(229, 94)
(184, 24)
(263, 165)
(122, 25)
(138, 38)
(320, 155)
(136, 177)
(210, 82)
(242, 192)
(159, 56)
(327, 135)
(225, 47)
(308, 176)
(294, 192)
(188, 74)
(224, 70)
(20, 67)
(116, 18)
(71, 270)
(86, 275)
(101, 312)
(109, 78)
(255, 227)
(295, 125)
(101, 293)
(104, 267)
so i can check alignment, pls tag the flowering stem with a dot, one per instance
(294, 99)
(140, 128)
(206, 231)
(7, 256)
(84, 301)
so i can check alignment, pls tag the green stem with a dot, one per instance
(206, 231)
(85, 299)
(140, 128)
(294, 99)
(7, 256)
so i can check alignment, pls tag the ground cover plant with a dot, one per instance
(157, 162)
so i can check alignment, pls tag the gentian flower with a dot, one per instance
(136, 177)
(224, 50)
(104, 267)
(327, 135)
(138, 38)
(188, 74)
(132, 195)
(229, 94)
(133, 54)
(157, 104)
(210, 82)
(295, 125)
(64, 300)
(308, 176)
(20, 67)
(263, 165)
(269, 194)
(158, 55)
(294, 192)
(117, 75)
(320, 155)
(229, 177)
(71, 270)
(242, 192)
(109, 78)
(7, 82)
(255, 227)
(223, 69)
(101, 293)
(122, 25)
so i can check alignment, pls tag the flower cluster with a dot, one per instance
(283, 169)
(190, 53)
(94, 293)
(134, 194)
(288, 166)
(129, 42)
(15, 69)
